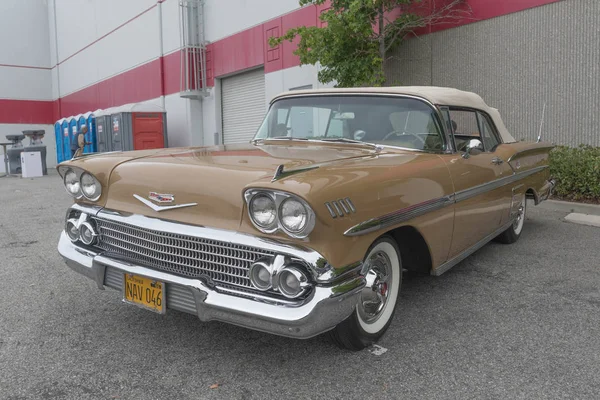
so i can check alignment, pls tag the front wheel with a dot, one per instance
(377, 301)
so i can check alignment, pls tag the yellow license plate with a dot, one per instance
(144, 292)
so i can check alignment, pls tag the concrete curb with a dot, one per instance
(570, 207)
(583, 219)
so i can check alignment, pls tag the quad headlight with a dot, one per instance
(294, 216)
(263, 212)
(79, 183)
(273, 210)
(72, 184)
(90, 187)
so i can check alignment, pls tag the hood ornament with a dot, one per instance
(162, 198)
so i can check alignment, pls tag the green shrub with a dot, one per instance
(577, 172)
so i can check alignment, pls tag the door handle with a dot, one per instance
(497, 161)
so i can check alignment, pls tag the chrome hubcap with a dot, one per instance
(519, 218)
(518, 222)
(374, 296)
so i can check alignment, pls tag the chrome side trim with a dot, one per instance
(487, 187)
(458, 258)
(399, 216)
(405, 214)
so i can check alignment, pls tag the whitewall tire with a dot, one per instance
(377, 301)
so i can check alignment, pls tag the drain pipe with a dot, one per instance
(162, 53)
(57, 60)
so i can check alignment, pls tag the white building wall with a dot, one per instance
(25, 63)
(24, 22)
(81, 22)
(226, 17)
(24, 52)
(90, 52)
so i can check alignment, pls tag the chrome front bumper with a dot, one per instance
(326, 306)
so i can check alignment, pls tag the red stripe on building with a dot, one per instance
(26, 112)
(139, 84)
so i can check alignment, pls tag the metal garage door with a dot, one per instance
(243, 101)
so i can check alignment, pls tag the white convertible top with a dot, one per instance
(440, 96)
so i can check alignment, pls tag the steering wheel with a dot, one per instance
(415, 138)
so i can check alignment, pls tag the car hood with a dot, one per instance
(214, 178)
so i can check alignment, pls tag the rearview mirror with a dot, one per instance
(342, 115)
(474, 147)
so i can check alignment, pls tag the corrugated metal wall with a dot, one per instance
(517, 63)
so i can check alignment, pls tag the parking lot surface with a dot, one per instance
(517, 321)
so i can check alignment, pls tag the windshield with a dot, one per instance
(393, 121)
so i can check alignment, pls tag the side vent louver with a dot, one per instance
(340, 208)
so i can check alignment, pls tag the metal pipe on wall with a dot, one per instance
(161, 53)
(57, 59)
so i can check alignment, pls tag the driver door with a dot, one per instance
(477, 174)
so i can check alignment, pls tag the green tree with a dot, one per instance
(358, 35)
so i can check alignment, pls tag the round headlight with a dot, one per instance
(263, 211)
(72, 183)
(292, 282)
(71, 229)
(87, 233)
(90, 187)
(260, 276)
(293, 215)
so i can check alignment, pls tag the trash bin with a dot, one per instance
(14, 154)
(36, 145)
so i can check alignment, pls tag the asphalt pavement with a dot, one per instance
(510, 322)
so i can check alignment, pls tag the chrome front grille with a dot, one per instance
(225, 263)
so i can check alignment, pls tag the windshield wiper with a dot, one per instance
(345, 140)
(255, 141)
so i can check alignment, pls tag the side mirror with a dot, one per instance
(474, 147)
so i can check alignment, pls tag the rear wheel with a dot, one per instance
(377, 301)
(513, 233)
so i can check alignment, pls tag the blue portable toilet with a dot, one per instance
(66, 139)
(73, 127)
(59, 141)
(91, 137)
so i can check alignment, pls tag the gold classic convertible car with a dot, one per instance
(308, 228)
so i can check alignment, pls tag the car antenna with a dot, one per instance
(541, 124)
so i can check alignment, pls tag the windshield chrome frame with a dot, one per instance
(440, 120)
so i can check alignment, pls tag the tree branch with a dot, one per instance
(450, 12)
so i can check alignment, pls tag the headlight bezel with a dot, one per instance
(65, 170)
(279, 197)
